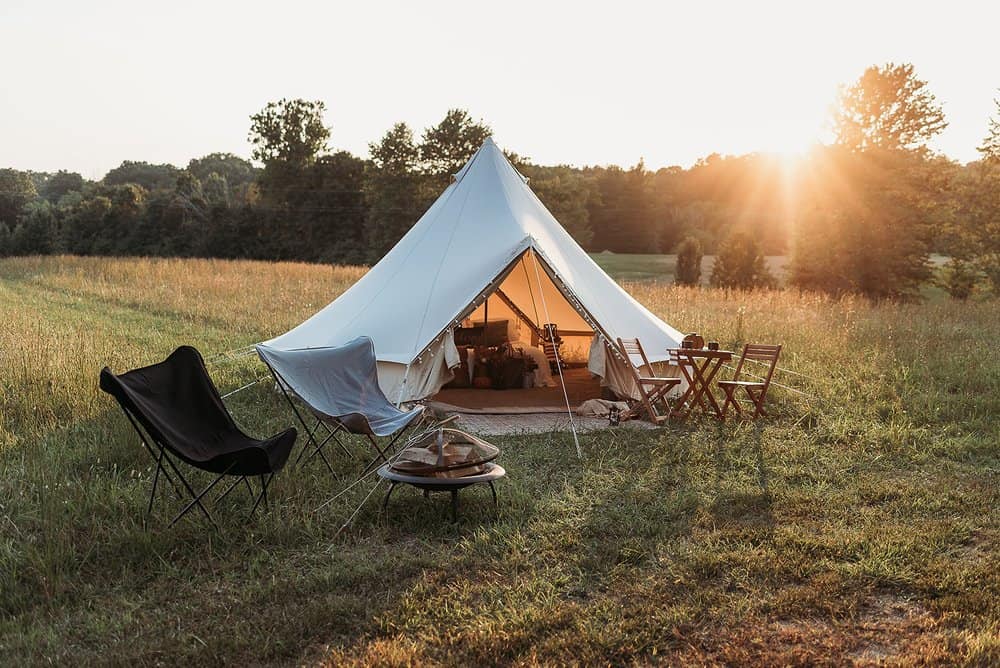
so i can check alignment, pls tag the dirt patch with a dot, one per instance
(889, 629)
(887, 626)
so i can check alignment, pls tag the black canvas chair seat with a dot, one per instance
(183, 416)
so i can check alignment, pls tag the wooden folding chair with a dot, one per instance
(652, 388)
(552, 354)
(756, 390)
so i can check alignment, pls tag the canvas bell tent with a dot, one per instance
(486, 249)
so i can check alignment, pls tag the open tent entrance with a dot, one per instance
(503, 339)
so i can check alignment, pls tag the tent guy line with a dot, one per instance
(559, 366)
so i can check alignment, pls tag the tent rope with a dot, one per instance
(378, 483)
(562, 380)
(413, 439)
(778, 368)
(784, 387)
(231, 355)
(250, 384)
(531, 293)
(392, 460)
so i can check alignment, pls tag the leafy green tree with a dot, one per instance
(16, 190)
(60, 184)
(622, 214)
(990, 147)
(83, 231)
(565, 192)
(989, 264)
(448, 145)
(959, 278)
(888, 108)
(290, 132)
(234, 169)
(150, 177)
(867, 222)
(226, 179)
(288, 136)
(6, 247)
(396, 192)
(868, 229)
(37, 233)
(974, 232)
(330, 211)
(666, 194)
(741, 265)
(689, 256)
(215, 189)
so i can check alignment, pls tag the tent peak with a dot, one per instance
(488, 144)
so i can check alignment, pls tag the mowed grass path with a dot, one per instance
(858, 524)
(654, 266)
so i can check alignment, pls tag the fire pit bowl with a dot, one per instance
(445, 460)
(445, 453)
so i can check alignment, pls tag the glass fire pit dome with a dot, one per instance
(445, 453)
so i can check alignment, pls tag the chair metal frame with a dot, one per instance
(631, 347)
(756, 390)
(338, 426)
(160, 454)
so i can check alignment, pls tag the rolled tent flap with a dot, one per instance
(423, 377)
(616, 376)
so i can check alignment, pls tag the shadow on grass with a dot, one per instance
(90, 582)
(568, 532)
(85, 579)
(735, 511)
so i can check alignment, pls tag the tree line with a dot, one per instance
(861, 215)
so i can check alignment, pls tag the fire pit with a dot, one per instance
(445, 460)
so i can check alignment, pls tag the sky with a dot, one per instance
(86, 85)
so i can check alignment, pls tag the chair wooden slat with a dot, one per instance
(652, 388)
(755, 390)
(552, 354)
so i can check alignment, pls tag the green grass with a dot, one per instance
(662, 267)
(858, 524)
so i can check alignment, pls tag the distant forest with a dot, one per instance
(861, 215)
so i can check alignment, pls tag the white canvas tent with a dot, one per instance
(487, 230)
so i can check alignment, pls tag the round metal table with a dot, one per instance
(431, 484)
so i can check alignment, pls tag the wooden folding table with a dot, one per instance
(699, 367)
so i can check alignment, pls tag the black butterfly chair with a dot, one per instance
(182, 416)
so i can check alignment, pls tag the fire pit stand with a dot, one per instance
(430, 484)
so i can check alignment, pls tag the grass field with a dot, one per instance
(656, 267)
(662, 267)
(858, 524)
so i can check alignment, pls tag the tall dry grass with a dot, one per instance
(66, 317)
(796, 540)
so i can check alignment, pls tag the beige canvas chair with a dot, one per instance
(756, 390)
(652, 388)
